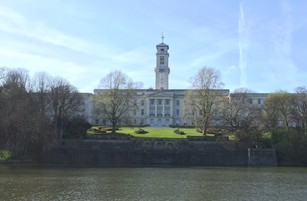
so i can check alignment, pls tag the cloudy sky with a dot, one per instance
(257, 44)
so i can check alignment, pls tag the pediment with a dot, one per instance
(160, 94)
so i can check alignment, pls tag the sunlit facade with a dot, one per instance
(160, 107)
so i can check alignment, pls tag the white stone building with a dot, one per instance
(160, 106)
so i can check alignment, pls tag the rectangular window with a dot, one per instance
(251, 101)
(177, 102)
(152, 101)
(159, 111)
(142, 102)
(142, 111)
(159, 101)
(259, 101)
(177, 112)
(167, 101)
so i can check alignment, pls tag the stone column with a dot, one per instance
(147, 102)
(156, 107)
(171, 105)
(163, 107)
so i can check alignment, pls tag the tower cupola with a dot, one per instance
(162, 69)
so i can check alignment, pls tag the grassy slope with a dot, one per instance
(153, 132)
(160, 132)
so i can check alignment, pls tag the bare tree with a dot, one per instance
(238, 112)
(18, 113)
(300, 109)
(41, 87)
(33, 112)
(40, 91)
(114, 101)
(202, 101)
(65, 102)
(278, 109)
(271, 112)
(242, 116)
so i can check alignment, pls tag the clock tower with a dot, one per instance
(162, 70)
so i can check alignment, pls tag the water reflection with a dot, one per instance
(32, 183)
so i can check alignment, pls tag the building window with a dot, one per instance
(142, 102)
(250, 101)
(142, 111)
(159, 101)
(152, 101)
(166, 101)
(259, 101)
(162, 50)
(159, 111)
(177, 102)
(177, 112)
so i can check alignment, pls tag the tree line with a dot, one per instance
(36, 111)
(279, 122)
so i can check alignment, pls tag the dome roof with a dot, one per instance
(162, 45)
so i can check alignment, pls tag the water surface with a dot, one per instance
(203, 183)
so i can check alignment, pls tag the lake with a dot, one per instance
(153, 183)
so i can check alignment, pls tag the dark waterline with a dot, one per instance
(152, 183)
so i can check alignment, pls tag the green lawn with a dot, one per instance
(158, 132)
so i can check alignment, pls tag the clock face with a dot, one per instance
(161, 60)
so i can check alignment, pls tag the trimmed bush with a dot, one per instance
(179, 132)
(105, 128)
(140, 131)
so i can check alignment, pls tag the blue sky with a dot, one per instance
(257, 44)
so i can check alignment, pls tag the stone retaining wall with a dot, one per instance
(155, 152)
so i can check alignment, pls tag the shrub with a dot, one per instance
(5, 154)
(179, 132)
(94, 130)
(140, 131)
(105, 128)
(76, 128)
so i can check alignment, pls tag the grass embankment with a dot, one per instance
(161, 132)
(150, 132)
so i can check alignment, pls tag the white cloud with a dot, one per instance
(243, 45)
(14, 23)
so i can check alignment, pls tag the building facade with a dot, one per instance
(161, 106)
